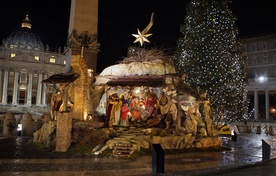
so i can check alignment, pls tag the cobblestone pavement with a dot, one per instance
(245, 158)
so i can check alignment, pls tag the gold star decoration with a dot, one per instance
(141, 37)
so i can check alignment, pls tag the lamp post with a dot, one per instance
(262, 79)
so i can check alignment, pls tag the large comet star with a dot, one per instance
(141, 37)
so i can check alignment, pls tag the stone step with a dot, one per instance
(123, 145)
(127, 148)
(123, 149)
(122, 153)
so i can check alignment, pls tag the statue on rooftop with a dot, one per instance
(83, 40)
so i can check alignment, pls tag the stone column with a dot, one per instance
(15, 88)
(267, 114)
(44, 90)
(39, 87)
(1, 84)
(63, 131)
(30, 86)
(5, 86)
(256, 105)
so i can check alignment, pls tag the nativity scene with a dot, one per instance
(141, 99)
(153, 97)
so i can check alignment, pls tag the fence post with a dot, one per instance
(157, 159)
(265, 150)
(234, 136)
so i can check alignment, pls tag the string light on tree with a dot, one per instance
(209, 54)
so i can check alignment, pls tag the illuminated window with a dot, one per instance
(12, 54)
(64, 62)
(36, 58)
(52, 59)
(22, 86)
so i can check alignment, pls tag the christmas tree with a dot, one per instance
(209, 55)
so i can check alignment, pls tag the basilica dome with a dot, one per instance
(24, 38)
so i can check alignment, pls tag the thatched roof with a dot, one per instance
(152, 81)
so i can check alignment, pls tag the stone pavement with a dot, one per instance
(245, 158)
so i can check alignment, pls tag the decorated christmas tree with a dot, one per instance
(209, 57)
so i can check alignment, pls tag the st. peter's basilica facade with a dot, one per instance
(24, 63)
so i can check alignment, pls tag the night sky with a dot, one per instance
(118, 19)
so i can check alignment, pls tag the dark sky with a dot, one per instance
(118, 19)
(50, 19)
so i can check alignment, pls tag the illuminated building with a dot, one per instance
(24, 62)
(260, 54)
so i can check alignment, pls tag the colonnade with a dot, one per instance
(256, 104)
(41, 89)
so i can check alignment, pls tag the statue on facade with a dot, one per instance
(83, 40)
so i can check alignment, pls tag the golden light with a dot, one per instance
(85, 115)
(137, 91)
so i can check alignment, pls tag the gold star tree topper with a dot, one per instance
(141, 37)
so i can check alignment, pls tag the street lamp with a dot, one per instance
(261, 79)
(264, 79)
